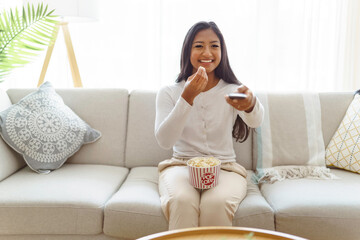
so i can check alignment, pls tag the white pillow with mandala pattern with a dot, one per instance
(44, 130)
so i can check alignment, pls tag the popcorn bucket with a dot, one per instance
(203, 176)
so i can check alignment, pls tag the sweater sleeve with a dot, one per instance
(254, 118)
(170, 118)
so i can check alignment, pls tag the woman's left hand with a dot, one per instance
(247, 104)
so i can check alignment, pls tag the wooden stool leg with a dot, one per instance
(71, 55)
(47, 59)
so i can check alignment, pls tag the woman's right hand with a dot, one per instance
(194, 85)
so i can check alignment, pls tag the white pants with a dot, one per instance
(185, 206)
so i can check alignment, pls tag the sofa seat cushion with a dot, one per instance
(254, 210)
(135, 211)
(69, 200)
(317, 209)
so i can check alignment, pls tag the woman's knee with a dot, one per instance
(218, 201)
(185, 200)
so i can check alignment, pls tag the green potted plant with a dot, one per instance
(24, 35)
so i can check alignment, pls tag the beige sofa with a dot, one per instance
(108, 190)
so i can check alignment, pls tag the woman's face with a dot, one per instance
(205, 51)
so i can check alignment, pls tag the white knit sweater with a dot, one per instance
(203, 129)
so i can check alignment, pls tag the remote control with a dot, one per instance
(237, 95)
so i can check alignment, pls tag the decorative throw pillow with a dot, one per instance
(44, 130)
(343, 150)
(289, 144)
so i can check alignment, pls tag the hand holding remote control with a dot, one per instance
(242, 100)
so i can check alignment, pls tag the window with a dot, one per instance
(280, 45)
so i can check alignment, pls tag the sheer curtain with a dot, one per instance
(276, 45)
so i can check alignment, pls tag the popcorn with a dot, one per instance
(204, 172)
(203, 162)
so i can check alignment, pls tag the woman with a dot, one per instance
(196, 118)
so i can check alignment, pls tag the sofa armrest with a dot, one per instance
(10, 161)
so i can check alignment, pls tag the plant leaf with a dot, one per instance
(23, 37)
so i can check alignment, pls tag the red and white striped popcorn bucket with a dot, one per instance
(204, 177)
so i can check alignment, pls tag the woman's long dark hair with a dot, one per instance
(223, 71)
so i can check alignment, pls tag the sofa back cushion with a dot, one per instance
(333, 109)
(142, 148)
(104, 110)
(10, 161)
(291, 133)
(44, 130)
(243, 151)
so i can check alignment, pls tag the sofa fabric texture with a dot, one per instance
(140, 132)
(67, 201)
(316, 205)
(136, 206)
(109, 189)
